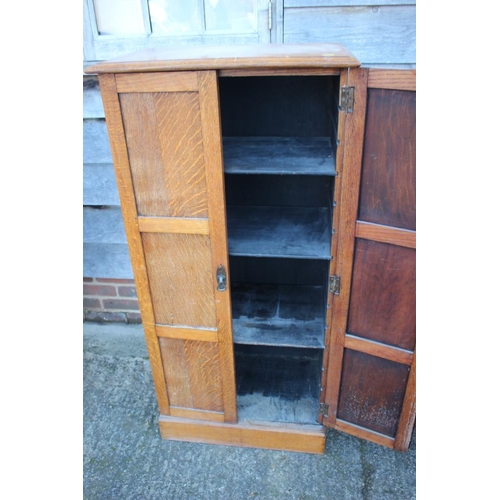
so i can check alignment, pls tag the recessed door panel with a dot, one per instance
(165, 146)
(180, 278)
(388, 179)
(382, 306)
(372, 392)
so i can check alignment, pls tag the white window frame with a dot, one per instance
(98, 47)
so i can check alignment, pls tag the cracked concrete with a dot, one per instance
(125, 458)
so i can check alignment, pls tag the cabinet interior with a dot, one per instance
(279, 146)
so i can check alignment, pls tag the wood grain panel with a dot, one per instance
(181, 142)
(363, 433)
(192, 374)
(267, 435)
(166, 153)
(211, 416)
(177, 225)
(128, 204)
(378, 349)
(388, 180)
(383, 294)
(176, 332)
(212, 141)
(157, 82)
(181, 280)
(149, 184)
(386, 234)
(372, 392)
(392, 79)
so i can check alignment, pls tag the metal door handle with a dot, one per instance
(221, 278)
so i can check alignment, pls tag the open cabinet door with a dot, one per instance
(164, 131)
(370, 388)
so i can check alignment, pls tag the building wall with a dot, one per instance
(379, 33)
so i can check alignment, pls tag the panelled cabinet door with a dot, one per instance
(164, 131)
(371, 384)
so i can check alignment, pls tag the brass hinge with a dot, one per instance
(323, 409)
(335, 285)
(347, 99)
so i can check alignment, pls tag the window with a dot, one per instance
(116, 27)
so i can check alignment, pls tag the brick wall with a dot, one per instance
(108, 300)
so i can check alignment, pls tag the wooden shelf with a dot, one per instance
(279, 155)
(278, 384)
(278, 315)
(296, 232)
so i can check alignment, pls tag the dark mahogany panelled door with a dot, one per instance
(164, 131)
(371, 384)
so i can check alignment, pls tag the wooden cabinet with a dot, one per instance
(268, 194)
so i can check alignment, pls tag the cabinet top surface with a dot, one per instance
(312, 55)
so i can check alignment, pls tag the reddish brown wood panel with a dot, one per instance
(192, 372)
(383, 294)
(180, 277)
(372, 392)
(165, 147)
(388, 179)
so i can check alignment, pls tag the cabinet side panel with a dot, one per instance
(192, 371)
(388, 180)
(165, 148)
(180, 278)
(383, 294)
(372, 392)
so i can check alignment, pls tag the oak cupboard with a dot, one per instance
(268, 195)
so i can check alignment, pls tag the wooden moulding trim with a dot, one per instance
(280, 72)
(157, 82)
(211, 416)
(186, 333)
(363, 433)
(305, 439)
(392, 79)
(118, 145)
(177, 225)
(386, 234)
(378, 349)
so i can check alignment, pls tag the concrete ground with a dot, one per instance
(125, 458)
